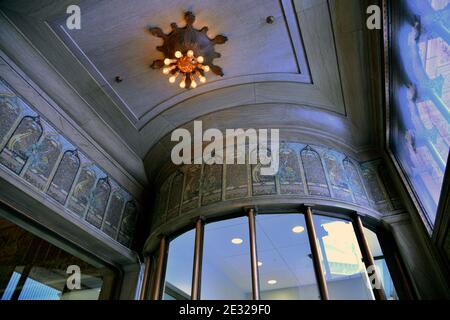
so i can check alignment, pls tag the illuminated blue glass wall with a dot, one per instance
(420, 115)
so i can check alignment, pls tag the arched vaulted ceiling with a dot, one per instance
(306, 72)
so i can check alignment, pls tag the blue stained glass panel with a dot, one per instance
(420, 114)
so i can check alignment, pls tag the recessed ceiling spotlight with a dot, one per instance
(259, 263)
(237, 241)
(272, 282)
(298, 229)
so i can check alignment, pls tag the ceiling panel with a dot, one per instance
(114, 41)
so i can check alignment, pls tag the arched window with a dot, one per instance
(314, 172)
(338, 181)
(374, 188)
(261, 184)
(290, 177)
(113, 214)
(161, 203)
(82, 190)
(354, 179)
(191, 188)
(98, 202)
(9, 114)
(212, 183)
(64, 177)
(20, 146)
(236, 180)
(128, 224)
(43, 160)
(176, 191)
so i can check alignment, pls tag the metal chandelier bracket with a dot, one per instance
(188, 53)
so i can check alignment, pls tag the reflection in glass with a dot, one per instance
(341, 257)
(380, 265)
(226, 261)
(34, 290)
(180, 260)
(286, 270)
(34, 269)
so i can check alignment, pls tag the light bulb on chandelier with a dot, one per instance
(183, 82)
(166, 70)
(193, 83)
(178, 54)
(173, 78)
(168, 61)
(189, 65)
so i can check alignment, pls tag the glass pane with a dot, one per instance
(64, 176)
(35, 290)
(180, 261)
(9, 112)
(19, 147)
(420, 117)
(34, 269)
(438, 4)
(380, 265)
(226, 270)
(342, 260)
(286, 270)
(43, 161)
(12, 283)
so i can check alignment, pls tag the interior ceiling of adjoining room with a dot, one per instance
(311, 56)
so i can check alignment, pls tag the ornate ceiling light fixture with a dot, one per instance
(188, 53)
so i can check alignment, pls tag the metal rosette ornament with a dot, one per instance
(188, 53)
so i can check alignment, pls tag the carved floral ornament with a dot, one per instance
(188, 53)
